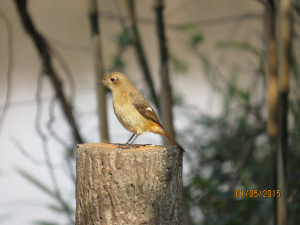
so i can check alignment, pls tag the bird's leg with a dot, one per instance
(130, 139)
(130, 145)
(135, 138)
(127, 145)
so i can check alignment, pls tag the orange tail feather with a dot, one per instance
(172, 139)
(158, 129)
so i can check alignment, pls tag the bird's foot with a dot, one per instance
(123, 146)
(134, 146)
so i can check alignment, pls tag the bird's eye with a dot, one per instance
(112, 79)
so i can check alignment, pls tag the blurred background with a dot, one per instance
(223, 76)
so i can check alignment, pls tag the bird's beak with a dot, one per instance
(100, 83)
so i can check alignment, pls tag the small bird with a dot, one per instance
(132, 109)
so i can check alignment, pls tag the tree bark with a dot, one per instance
(284, 42)
(140, 51)
(99, 70)
(166, 101)
(273, 95)
(128, 186)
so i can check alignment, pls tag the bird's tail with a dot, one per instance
(172, 139)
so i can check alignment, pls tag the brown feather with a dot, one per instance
(142, 106)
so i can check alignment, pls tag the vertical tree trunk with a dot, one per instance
(284, 75)
(99, 70)
(273, 96)
(128, 186)
(166, 101)
(140, 51)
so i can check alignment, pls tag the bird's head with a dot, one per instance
(116, 81)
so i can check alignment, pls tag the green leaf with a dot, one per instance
(180, 65)
(197, 39)
(36, 182)
(118, 63)
(244, 94)
(206, 121)
(178, 98)
(123, 38)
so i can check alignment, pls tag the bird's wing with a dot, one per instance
(143, 107)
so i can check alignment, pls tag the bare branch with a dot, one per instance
(67, 71)
(68, 46)
(29, 156)
(140, 51)
(48, 69)
(46, 151)
(199, 23)
(68, 148)
(51, 121)
(10, 67)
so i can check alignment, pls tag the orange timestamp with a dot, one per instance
(257, 193)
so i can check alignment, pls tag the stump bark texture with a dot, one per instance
(128, 186)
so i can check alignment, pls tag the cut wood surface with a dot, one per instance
(128, 186)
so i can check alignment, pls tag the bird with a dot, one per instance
(131, 108)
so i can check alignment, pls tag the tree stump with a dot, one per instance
(128, 186)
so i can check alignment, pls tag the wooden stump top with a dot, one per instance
(119, 146)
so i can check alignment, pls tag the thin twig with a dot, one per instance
(48, 69)
(68, 46)
(50, 123)
(46, 151)
(233, 31)
(199, 23)
(140, 53)
(25, 102)
(38, 162)
(183, 5)
(71, 168)
(68, 73)
(121, 47)
(10, 67)
(118, 16)
(59, 139)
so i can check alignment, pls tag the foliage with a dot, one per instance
(231, 152)
(123, 41)
(179, 65)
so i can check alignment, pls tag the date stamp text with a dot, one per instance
(252, 193)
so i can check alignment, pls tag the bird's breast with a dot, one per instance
(130, 118)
